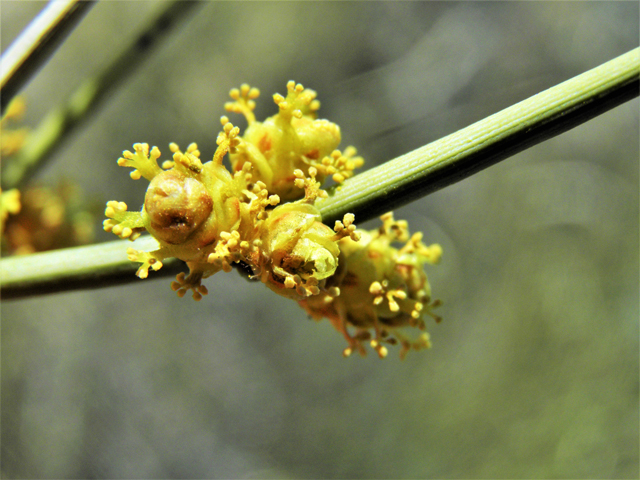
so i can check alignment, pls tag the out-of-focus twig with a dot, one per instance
(395, 183)
(36, 44)
(63, 119)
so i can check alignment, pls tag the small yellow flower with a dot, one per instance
(12, 140)
(291, 140)
(9, 205)
(382, 289)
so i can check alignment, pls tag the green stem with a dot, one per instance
(63, 119)
(467, 151)
(381, 189)
(91, 266)
(36, 44)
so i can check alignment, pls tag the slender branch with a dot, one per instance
(92, 266)
(467, 151)
(376, 191)
(63, 119)
(36, 44)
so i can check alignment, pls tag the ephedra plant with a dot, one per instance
(212, 219)
(270, 217)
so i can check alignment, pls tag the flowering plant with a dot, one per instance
(212, 218)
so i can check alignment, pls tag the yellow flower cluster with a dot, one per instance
(39, 218)
(213, 218)
(11, 140)
(381, 289)
(49, 218)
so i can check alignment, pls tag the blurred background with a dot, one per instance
(534, 370)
